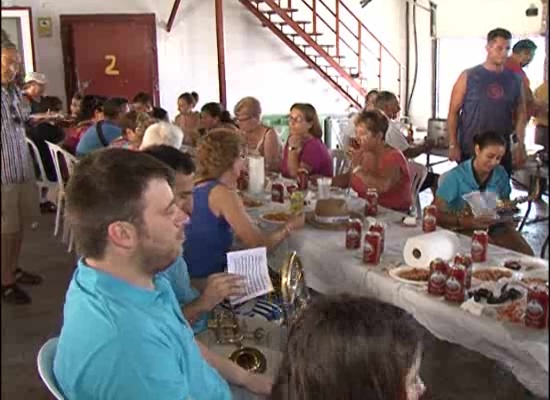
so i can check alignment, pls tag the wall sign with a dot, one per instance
(44, 27)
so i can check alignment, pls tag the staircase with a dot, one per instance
(332, 40)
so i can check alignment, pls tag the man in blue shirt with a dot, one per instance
(124, 336)
(195, 305)
(102, 133)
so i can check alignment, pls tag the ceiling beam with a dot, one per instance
(173, 13)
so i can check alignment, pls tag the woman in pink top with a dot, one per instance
(304, 148)
(377, 165)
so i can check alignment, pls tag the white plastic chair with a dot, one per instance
(42, 180)
(44, 361)
(59, 154)
(419, 173)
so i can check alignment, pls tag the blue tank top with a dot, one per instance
(490, 103)
(207, 238)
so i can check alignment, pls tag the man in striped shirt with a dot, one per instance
(19, 190)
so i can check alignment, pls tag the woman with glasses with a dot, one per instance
(344, 347)
(260, 139)
(218, 211)
(304, 147)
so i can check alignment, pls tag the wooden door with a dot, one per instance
(110, 54)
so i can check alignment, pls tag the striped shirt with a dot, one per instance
(16, 162)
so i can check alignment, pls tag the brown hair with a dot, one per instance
(346, 347)
(310, 114)
(137, 122)
(108, 186)
(217, 153)
(251, 103)
(375, 121)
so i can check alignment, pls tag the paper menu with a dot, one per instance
(251, 264)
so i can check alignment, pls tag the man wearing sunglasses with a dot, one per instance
(20, 196)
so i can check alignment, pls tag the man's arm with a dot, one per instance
(234, 374)
(521, 117)
(415, 151)
(457, 100)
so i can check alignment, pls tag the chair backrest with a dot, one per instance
(61, 159)
(419, 173)
(35, 154)
(340, 163)
(44, 361)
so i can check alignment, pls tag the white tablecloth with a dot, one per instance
(330, 268)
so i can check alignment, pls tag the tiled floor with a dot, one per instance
(450, 372)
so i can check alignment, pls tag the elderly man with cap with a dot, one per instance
(19, 190)
(33, 90)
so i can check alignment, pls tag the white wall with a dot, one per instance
(474, 18)
(257, 62)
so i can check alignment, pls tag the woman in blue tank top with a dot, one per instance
(218, 211)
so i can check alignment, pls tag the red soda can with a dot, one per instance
(371, 208)
(439, 271)
(371, 248)
(379, 227)
(466, 261)
(302, 179)
(291, 189)
(429, 219)
(354, 233)
(242, 181)
(536, 313)
(455, 287)
(480, 242)
(277, 192)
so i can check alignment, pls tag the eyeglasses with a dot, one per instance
(297, 120)
(244, 118)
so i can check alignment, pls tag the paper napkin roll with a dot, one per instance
(420, 250)
(256, 173)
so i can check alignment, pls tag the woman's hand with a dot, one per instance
(295, 141)
(355, 155)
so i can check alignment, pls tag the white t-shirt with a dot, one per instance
(395, 138)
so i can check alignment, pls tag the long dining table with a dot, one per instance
(331, 269)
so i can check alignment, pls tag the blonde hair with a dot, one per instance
(250, 103)
(310, 114)
(217, 153)
(162, 133)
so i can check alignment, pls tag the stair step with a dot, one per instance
(317, 56)
(328, 46)
(283, 23)
(286, 10)
(307, 33)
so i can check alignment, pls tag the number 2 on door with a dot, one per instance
(111, 67)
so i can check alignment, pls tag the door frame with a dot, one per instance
(66, 23)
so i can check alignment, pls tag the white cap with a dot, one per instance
(36, 77)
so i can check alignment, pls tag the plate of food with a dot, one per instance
(492, 274)
(251, 203)
(411, 275)
(276, 217)
(525, 265)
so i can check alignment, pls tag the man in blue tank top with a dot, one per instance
(488, 97)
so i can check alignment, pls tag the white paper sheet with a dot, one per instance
(252, 264)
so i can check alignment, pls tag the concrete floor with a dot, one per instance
(450, 371)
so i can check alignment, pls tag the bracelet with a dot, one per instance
(356, 169)
(452, 146)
